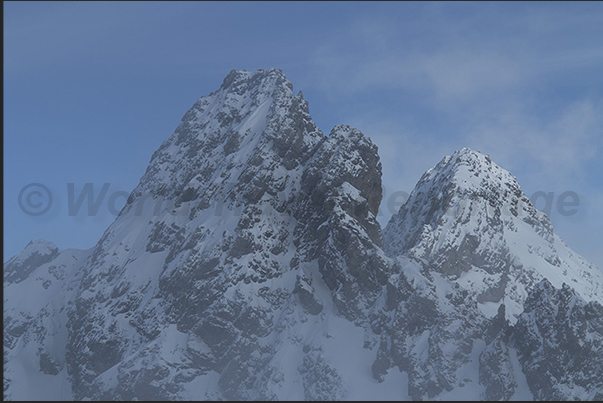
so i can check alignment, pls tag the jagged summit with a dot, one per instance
(35, 254)
(247, 224)
(41, 246)
(468, 219)
(243, 78)
(460, 186)
(469, 171)
(254, 119)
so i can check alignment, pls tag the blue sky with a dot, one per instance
(93, 88)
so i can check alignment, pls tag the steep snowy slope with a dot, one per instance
(473, 247)
(39, 286)
(469, 220)
(229, 270)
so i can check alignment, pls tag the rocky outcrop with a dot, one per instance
(33, 256)
(559, 338)
(469, 220)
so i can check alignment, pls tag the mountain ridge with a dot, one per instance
(248, 263)
(467, 215)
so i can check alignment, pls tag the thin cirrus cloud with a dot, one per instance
(558, 146)
(463, 56)
(524, 87)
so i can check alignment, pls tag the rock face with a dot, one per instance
(559, 338)
(33, 256)
(248, 264)
(481, 249)
(40, 285)
(468, 220)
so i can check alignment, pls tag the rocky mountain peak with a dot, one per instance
(252, 127)
(461, 187)
(469, 173)
(35, 254)
(467, 163)
(468, 219)
(247, 223)
(243, 80)
(40, 246)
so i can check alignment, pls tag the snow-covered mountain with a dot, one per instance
(248, 264)
(469, 221)
(470, 236)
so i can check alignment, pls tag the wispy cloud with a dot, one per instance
(520, 82)
(456, 60)
(555, 146)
